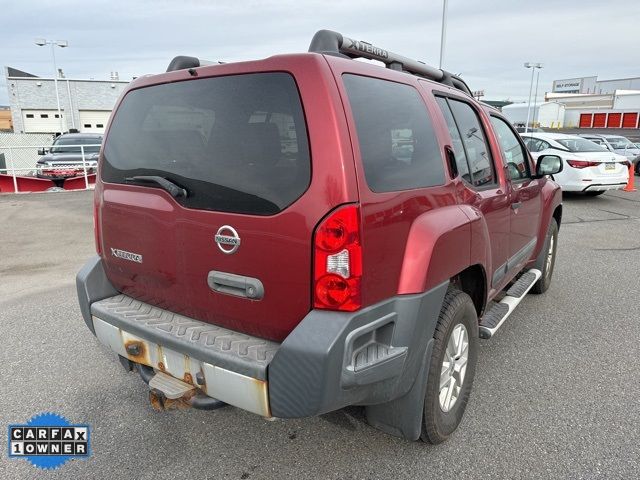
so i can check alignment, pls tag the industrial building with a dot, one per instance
(593, 85)
(583, 103)
(546, 114)
(6, 125)
(620, 109)
(85, 105)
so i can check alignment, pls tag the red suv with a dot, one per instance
(301, 233)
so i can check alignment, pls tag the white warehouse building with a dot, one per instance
(584, 102)
(620, 109)
(594, 86)
(545, 114)
(85, 105)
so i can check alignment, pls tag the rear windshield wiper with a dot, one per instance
(174, 190)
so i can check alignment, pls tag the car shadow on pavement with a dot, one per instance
(347, 418)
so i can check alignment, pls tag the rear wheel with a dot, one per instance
(547, 259)
(452, 368)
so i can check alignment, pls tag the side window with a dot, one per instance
(533, 144)
(398, 145)
(475, 143)
(456, 140)
(513, 154)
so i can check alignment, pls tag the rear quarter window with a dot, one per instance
(236, 143)
(398, 146)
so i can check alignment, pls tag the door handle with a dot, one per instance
(516, 205)
(237, 285)
(451, 160)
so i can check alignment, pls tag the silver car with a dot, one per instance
(617, 144)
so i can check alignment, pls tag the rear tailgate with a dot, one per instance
(241, 147)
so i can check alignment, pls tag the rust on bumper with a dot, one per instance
(235, 389)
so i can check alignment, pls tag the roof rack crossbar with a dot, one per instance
(334, 43)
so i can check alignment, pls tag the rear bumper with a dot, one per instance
(330, 360)
(579, 181)
(596, 185)
(599, 187)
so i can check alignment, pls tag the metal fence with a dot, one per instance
(23, 157)
(18, 177)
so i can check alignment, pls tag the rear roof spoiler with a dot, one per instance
(333, 43)
(182, 62)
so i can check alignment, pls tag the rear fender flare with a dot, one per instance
(441, 243)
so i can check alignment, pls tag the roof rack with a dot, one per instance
(333, 43)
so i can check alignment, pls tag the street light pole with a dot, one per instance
(535, 99)
(62, 44)
(443, 34)
(533, 67)
(55, 82)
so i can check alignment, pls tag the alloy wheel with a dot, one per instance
(454, 366)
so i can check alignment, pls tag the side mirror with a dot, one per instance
(548, 165)
(42, 151)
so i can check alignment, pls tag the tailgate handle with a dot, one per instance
(237, 285)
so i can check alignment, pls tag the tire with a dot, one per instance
(458, 314)
(594, 193)
(547, 259)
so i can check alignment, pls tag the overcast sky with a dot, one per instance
(487, 41)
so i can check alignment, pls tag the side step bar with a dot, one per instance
(495, 317)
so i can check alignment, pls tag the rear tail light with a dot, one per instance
(338, 261)
(96, 228)
(582, 163)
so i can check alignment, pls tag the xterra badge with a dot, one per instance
(132, 257)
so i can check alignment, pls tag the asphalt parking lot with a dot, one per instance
(556, 393)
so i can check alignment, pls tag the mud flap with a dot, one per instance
(403, 417)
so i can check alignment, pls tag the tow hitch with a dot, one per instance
(167, 392)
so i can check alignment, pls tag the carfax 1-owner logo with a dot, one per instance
(48, 440)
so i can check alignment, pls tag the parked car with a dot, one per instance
(521, 129)
(64, 158)
(588, 167)
(637, 160)
(293, 285)
(616, 143)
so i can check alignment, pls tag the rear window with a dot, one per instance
(577, 144)
(72, 145)
(398, 146)
(236, 144)
(619, 143)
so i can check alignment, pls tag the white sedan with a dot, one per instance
(587, 166)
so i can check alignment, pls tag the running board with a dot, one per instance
(495, 317)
